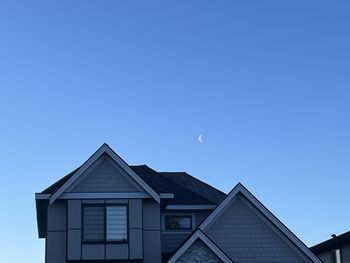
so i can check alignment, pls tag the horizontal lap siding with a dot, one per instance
(246, 238)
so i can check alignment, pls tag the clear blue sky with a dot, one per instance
(267, 83)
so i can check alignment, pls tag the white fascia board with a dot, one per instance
(199, 235)
(190, 207)
(166, 195)
(239, 188)
(105, 149)
(107, 195)
(39, 196)
(126, 195)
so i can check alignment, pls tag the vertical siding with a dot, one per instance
(345, 252)
(56, 233)
(246, 238)
(151, 231)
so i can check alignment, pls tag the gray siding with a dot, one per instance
(93, 251)
(245, 236)
(56, 247)
(172, 240)
(132, 250)
(198, 252)
(151, 231)
(117, 251)
(105, 176)
(326, 256)
(74, 230)
(56, 233)
(345, 252)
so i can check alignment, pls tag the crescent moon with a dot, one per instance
(200, 139)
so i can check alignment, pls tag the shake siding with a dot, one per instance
(246, 238)
(198, 252)
(104, 177)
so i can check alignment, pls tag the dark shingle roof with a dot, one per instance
(332, 243)
(55, 186)
(187, 190)
(195, 185)
(161, 184)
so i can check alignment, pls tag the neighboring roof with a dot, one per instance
(104, 149)
(194, 185)
(198, 234)
(240, 189)
(332, 243)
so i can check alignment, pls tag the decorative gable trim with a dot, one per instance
(200, 235)
(240, 189)
(105, 149)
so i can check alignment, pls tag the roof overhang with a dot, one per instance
(240, 189)
(105, 149)
(190, 207)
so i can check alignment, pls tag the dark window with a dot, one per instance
(105, 223)
(94, 223)
(178, 222)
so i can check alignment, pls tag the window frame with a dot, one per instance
(104, 241)
(178, 229)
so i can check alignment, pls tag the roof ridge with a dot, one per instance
(202, 197)
(210, 186)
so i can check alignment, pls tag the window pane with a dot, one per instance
(93, 223)
(116, 223)
(178, 222)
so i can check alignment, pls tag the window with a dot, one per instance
(178, 222)
(105, 223)
(336, 256)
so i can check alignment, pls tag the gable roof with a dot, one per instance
(194, 185)
(332, 243)
(104, 149)
(161, 184)
(198, 234)
(240, 189)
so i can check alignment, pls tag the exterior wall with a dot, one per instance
(171, 240)
(198, 252)
(151, 231)
(56, 233)
(345, 253)
(326, 256)
(104, 176)
(76, 250)
(246, 236)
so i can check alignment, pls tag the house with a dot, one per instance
(334, 250)
(109, 211)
